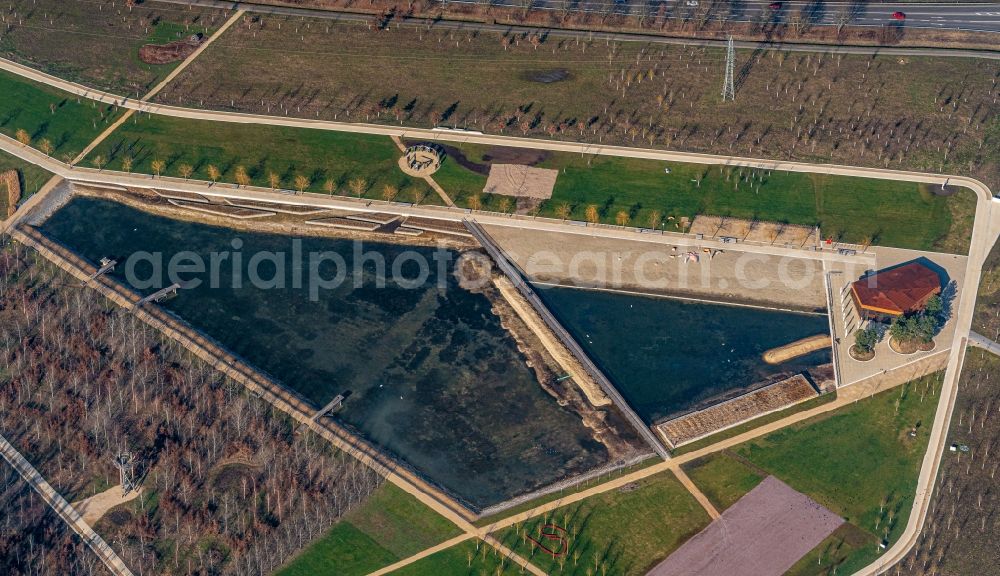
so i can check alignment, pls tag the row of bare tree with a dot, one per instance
(230, 487)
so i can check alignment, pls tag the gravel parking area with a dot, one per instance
(764, 534)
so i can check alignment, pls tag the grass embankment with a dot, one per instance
(50, 116)
(623, 532)
(389, 527)
(859, 461)
(487, 520)
(325, 159)
(105, 39)
(858, 210)
(723, 478)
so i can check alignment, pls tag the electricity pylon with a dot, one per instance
(729, 86)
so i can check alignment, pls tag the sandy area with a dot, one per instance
(94, 508)
(562, 356)
(766, 232)
(797, 348)
(732, 276)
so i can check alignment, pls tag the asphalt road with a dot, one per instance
(935, 16)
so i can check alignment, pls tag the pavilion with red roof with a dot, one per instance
(896, 291)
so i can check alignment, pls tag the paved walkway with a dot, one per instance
(977, 339)
(696, 492)
(59, 504)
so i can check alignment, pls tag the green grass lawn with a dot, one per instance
(465, 559)
(321, 156)
(891, 213)
(859, 461)
(32, 177)
(487, 520)
(625, 531)
(49, 114)
(389, 527)
(105, 40)
(722, 478)
(845, 551)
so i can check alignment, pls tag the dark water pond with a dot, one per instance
(667, 356)
(432, 375)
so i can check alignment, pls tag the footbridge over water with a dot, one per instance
(107, 265)
(511, 271)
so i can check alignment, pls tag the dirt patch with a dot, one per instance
(12, 182)
(473, 271)
(521, 181)
(910, 346)
(945, 190)
(770, 528)
(505, 155)
(118, 517)
(861, 355)
(172, 52)
(495, 154)
(547, 76)
(754, 231)
(233, 477)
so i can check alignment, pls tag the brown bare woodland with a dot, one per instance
(229, 486)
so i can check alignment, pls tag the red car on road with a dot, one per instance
(898, 16)
(774, 5)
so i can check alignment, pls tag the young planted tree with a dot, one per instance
(591, 214)
(301, 183)
(419, 194)
(23, 137)
(505, 204)
(475, 202)
(274, 180)
(866, 339)
(563, 211)
(330, 186)
(127, 163)
(622, 218)
(654, 219)
(358, 186)
(45, 146)
(213, 173)
(158, 165)
(241, 176)
(98, 161)
(389, 192)
(185, 170)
